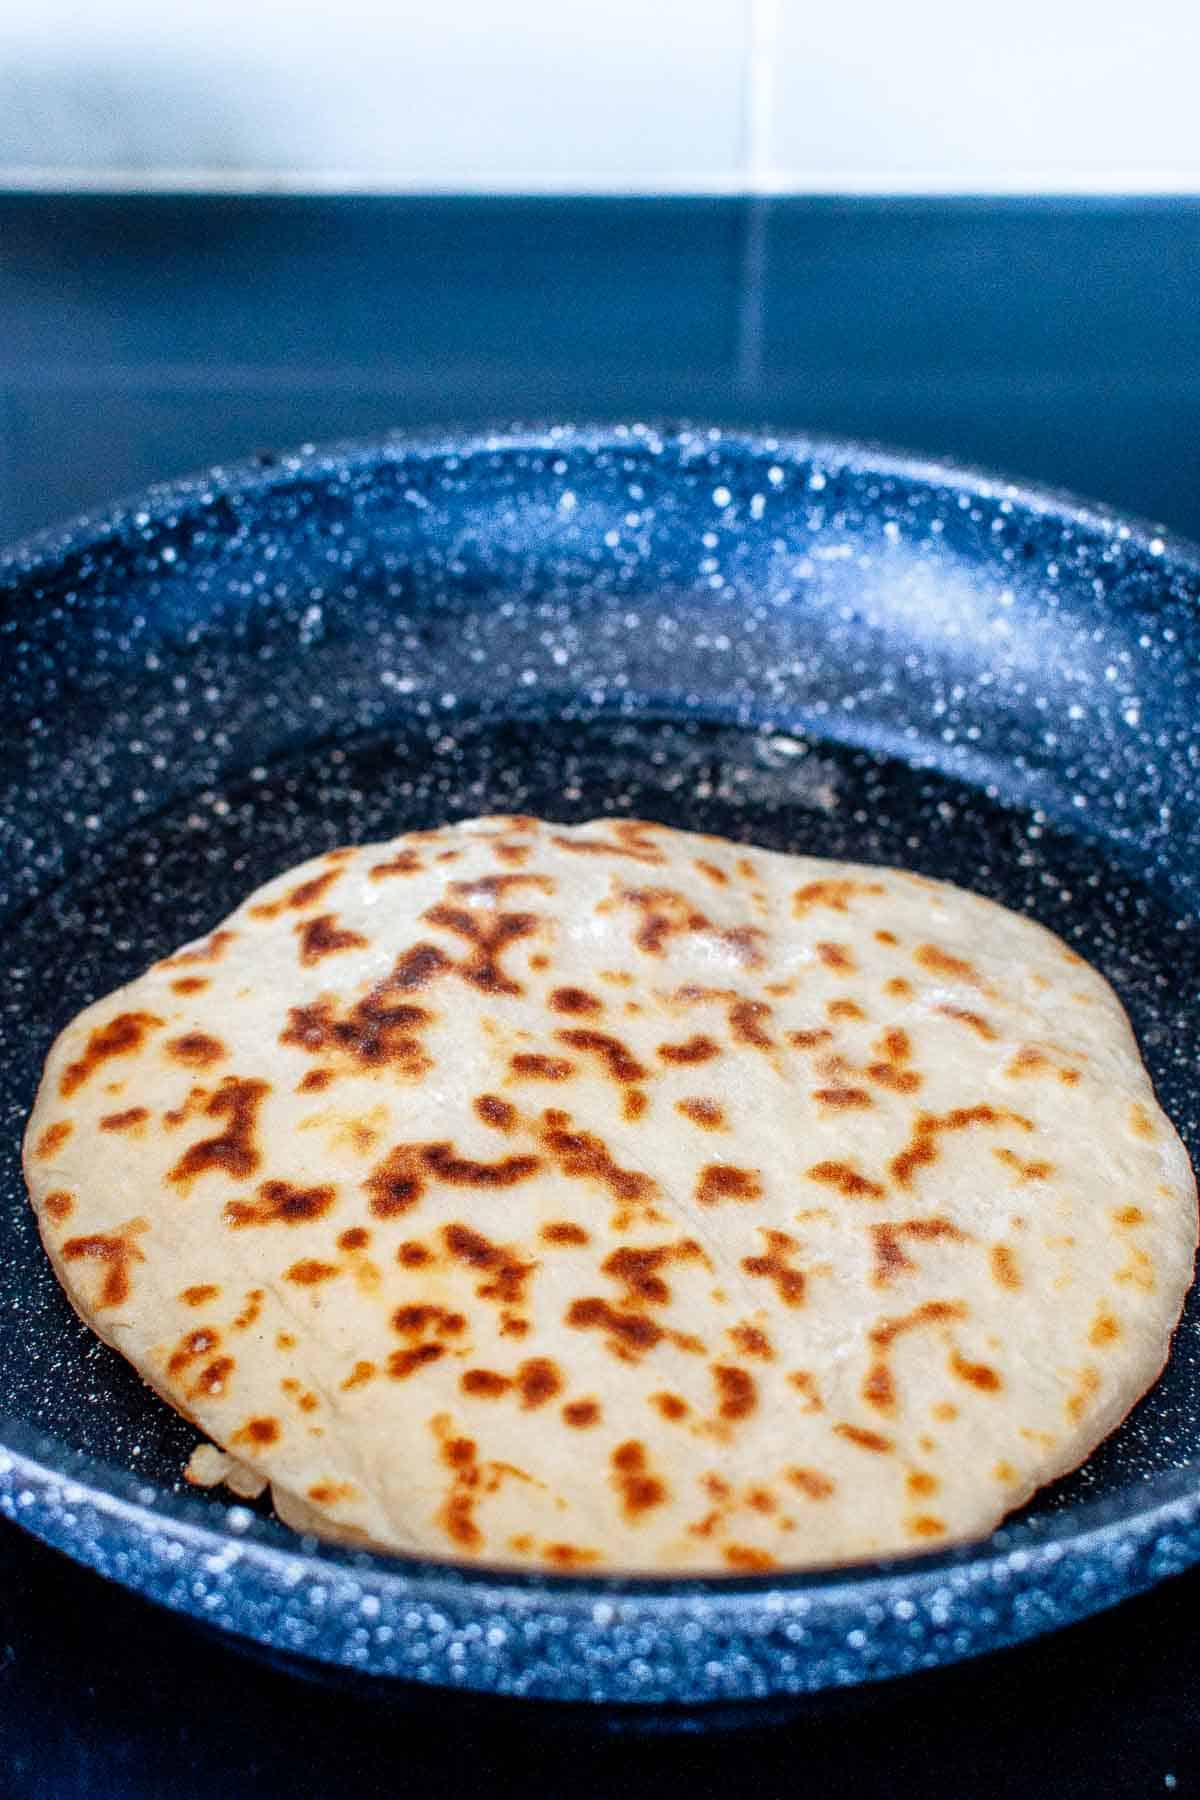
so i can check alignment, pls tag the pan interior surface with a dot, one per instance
(811, 648)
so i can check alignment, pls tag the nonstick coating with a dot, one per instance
(816, 647)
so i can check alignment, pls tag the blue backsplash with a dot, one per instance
(143, 336)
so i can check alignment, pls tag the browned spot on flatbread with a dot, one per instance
(532, 1065)
(584, 1156)
(122, 1036)
(362, 1372)
(975, 1020)
(332, 1493)
(926, 1525)
(811, 1482)
(978, 1375)
(569, 1556)
(1005, 1268)
(628, 839)
(233, 1151)
(737, 1391)
(401, 1178)
(497, 1113)
(1106, 1327)
(833, 894)
(444, 1162)
(717, 876)
(747, 1022)
(402, 862)
(640, 1490)
(666, 914)
(940, 962)
(810, 1040)
(311, 1272)
(639, 1270)
(879, 1389)
(403, 1363)
(891, 1259)
(457, 1515)
(1140, 1122)
(195, 1049)
(671, 1406)
(487, 934)
(580, 1414)
(495, 887)
(356, 1238)
(931, 1312)
(838, 957)
(1024, 1168)
(564, 1233)
(865, 1440)
(419, 1320)
(843, 1099)
(847, 1180)
(210, 949)
(484, 1384)
(281, 1203)
(628, 1331)
(115, 1251)
(58, 1204)
(752, 1341)
(708, 1114)
(575, 1000)
(844, 1009)
(51, 1141)
(725, 1181)
(1081, 1398)
(617, 1059)
(538, 1382)
(212, 1378)
(194, 1344)
(748, 1557)
(378, 1031)
(129, 1120)
(249, 1314)
(200, 1295)
(775, 1266)
(922, 1147)
(695, 1049)
(1031, 1059)
(305, 893)
(506, 1275)
(323, 936)
(257, 1432)
(189, 984)
(806, 1386)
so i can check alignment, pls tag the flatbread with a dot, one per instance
(609, 1197)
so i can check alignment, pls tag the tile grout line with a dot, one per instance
(758, 95)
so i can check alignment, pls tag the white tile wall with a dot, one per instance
(608, 95)
(411, 93)
(919, 94)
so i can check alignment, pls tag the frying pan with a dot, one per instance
(813, 646)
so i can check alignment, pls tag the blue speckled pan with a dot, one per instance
(812, 646)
